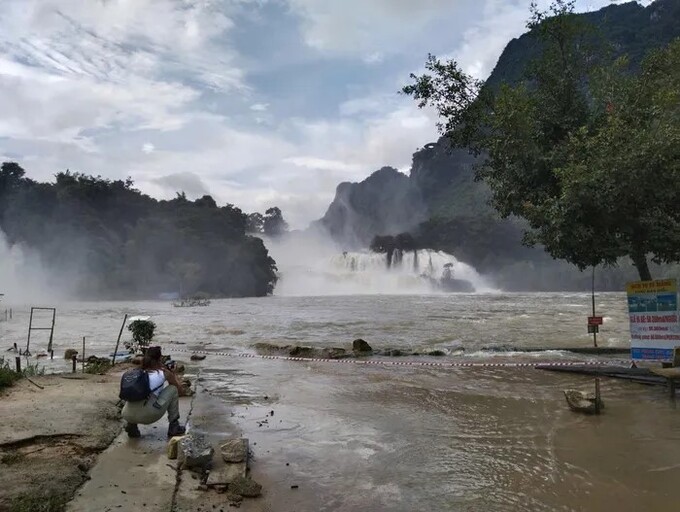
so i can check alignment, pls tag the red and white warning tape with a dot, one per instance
(436, 364)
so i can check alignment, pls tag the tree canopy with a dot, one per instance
(110, 240)
(584, 149)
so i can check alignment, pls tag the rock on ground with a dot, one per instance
(195, 452)
(234, 450)
(173, 447)
(361, 346)
(245, 487)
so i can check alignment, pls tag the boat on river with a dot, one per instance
(191, 303)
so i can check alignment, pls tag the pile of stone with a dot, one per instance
(360, 348)
(224, 472)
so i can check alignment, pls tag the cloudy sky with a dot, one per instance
(256, 102)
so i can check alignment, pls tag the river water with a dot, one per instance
(376, 438)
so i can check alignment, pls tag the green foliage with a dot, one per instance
(255, 223)
(578, 147)
(39, 502)
(32, 370)
(271, 224)
(98, 366)
(112, 241)
(7, 374)
(142, 335)
(274, 224)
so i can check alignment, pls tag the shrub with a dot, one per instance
(142, 334)
(7, 375)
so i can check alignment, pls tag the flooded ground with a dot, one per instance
(415, 438)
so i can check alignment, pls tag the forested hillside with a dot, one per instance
(109, 240)
(459, 217)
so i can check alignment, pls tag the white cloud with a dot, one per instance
(259, 107)
(312, 162)
(148, 148)
(374, 58)
(92, 65)
(368, 27)
(188, 182)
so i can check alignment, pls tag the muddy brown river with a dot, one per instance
(377, 438)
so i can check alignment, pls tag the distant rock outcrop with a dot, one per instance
(384, 203)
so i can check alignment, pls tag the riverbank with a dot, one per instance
(62, 448)
(50, 438)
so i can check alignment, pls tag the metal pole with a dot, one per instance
(593, 295)
(113, 361)
(83, 354)
(30, 324)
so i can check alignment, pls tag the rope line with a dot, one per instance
(407, 363)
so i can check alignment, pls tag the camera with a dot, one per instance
(170, 365)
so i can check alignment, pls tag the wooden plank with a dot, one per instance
(669, 373)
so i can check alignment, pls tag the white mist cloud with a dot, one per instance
(23, 277)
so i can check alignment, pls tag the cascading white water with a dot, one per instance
(319, 270)
(22, 275)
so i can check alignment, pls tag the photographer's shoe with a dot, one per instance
(175, 429)
(132, 430)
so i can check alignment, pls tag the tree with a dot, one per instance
(109, 240)
(274, 224)
(142, 334)
(577, 148)
(255, 223)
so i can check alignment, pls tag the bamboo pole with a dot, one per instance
(113, 361)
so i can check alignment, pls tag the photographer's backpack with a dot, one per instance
(134, 385)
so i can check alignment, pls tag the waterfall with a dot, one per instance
(22, 275)
(351, 273)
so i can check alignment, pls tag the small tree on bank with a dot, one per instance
(142, 334)
(587, 153)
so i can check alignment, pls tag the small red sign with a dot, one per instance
(595, 320)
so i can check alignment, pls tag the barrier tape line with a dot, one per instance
(408, 363)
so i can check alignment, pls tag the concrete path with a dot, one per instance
(133, 474)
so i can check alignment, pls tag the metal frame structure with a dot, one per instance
(31, 328)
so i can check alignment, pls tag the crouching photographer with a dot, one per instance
(147, 397)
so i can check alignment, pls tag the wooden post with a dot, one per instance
(83, 354)
(28, 341)
(597, 395)
(113, 361)
(17, 361)
(74, 360)
(54, 316)
(51, 354)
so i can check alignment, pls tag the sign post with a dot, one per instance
(654, 319)
(593, 327)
